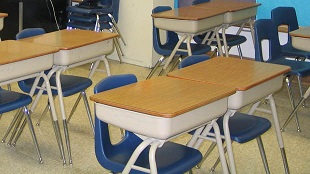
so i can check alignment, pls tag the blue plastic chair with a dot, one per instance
(166, 48)
(170, 158)
(70, 84)
(287, 16)
(231, 39)
(266, 30)
(9, 101)
(243, 127)
(191, 60)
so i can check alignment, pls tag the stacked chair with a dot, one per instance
(98, 16)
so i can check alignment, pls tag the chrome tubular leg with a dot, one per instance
(27, 115)
(175, 64)
(210, 149)
(263, 154)
(119, 46)
(300, 90)
(65, 125)
(75, 106)
(43, 113)
(240, 51)
(58, 136)
(217, 161)
(119, 54)
(20, 131)
(160, 60)
(289, 89)
(88, 112)
(16, 127)
(16, 117)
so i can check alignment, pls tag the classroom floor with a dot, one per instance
(23, 158)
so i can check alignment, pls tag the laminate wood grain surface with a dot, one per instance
(163, 96)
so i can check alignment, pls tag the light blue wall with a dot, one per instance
(302, 9)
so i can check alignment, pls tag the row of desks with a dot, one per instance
(30, 57)
(198, 19)
(164, 107)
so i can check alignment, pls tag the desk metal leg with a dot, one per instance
(277, 128)
(63, 113)
(173, 53)
(135, 155)
(232, 166)
(201, 134)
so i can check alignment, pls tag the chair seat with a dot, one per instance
(197, 49)
(70, 84)
(244, 127)
(298, 68)
(10, 100)
(289, 51)
(232, 40)
(103, 10)
(171, 158)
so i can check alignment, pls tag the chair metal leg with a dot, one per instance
(119, 46)
(20, 131)
(263, 154)
(175, 64)
(15, 129)
(240, 51)
(210, 149)
(16, 117)
(65, 126)
(114, 25)
(43, 113)
(88, 112)
(300, 89)
(289, 88)
(74, 106)
(118, 50)
(217, 161)
(160, 60)
(58, 136)
(27, 114)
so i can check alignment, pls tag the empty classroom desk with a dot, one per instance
(77, 47)
(20, 60)
(188, 22)
(236, 13)
(252, 80)
(167, 107)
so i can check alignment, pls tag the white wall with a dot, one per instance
(135, 24)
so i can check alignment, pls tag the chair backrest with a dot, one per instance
(29, 32)
(190, 60)
(171, 37)
(114, 5)
(266, 30)
(199, 1)
(103, 145)
(285, 16)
